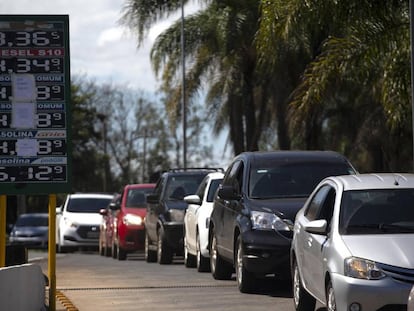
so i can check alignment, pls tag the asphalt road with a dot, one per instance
(92, 282)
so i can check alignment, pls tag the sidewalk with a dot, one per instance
(62, 302)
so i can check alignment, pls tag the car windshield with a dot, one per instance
(32, 221)
(180, 186)
(137, 197)
(282, 180)
(381, 211)
(87, 205)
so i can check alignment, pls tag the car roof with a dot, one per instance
(139, 186)
(91, 195)
(191, 171)
(215, 175)
(34, 215)
(375, 181)
(293, 155)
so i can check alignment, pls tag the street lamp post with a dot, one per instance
(183, 95)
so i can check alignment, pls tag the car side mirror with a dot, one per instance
(103, 211)
(317, 227)
(227, 192)
(114, 206)
(192, 199)
(153, 198)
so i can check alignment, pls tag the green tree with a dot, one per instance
(354, 92)
(219, 53)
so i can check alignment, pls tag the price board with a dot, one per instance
(35, 119)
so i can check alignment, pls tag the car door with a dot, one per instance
(231, 210)
(191, 223)
(321, 207)
(151, 218)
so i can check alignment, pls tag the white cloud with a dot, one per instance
(99, 46)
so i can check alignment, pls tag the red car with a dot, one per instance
(128, 220)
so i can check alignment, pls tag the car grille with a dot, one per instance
(88, 232)
(398, 274)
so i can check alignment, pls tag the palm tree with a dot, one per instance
(359, 52)
(220, 57)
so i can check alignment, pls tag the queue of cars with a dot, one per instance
(306, 218)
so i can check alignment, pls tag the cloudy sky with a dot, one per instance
(100, 48)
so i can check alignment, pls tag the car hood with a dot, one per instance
(390, 249)
(287, 207)
(84, 218)
(29, 230)
(136, 211)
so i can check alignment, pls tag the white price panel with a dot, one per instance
(35, 147)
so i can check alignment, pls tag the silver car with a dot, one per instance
(353, 240)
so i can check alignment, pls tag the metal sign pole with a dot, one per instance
(3, 203)
(52, 252)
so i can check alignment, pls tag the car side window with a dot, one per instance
(235, 176)
(314, 208)
(202, 189)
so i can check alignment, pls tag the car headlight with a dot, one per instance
(70, 223)
(362, 269)
(133, 220)
(269, 221)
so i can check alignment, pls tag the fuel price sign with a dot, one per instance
(35, 145)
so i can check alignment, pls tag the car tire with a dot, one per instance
(302, 300)
(246, 280)
(59, 247)
(150, 255)
(220, 269)
(330, 298)
(203, 263)
(101, 249)
(164, 253)
(121, 254)
(189, 260)
(114, 250)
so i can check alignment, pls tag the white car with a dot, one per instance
(196, 223)
(78, 221)
(352, 246)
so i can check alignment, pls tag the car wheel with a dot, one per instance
(330, 298)
(114, 250)
(59, 247)
(189, 260)
(302, 300)
(164, 253)
(101, 249)
(121, 254)
(220, 269)
(245, 279)
(203, 263)
(150, 255)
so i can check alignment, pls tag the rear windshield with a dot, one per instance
(32, 221)
(180, 186)
(87, 205)
(291, 179)
(137, 197)
(377, 211)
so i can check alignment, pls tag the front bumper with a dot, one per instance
(131, 238)
(83, 235)
(266, 252)
(174, 234)
(384, 294)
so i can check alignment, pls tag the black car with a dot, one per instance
(255, 207)
(164, 221)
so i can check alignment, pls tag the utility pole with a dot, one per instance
(183, 93)
(412, 70)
